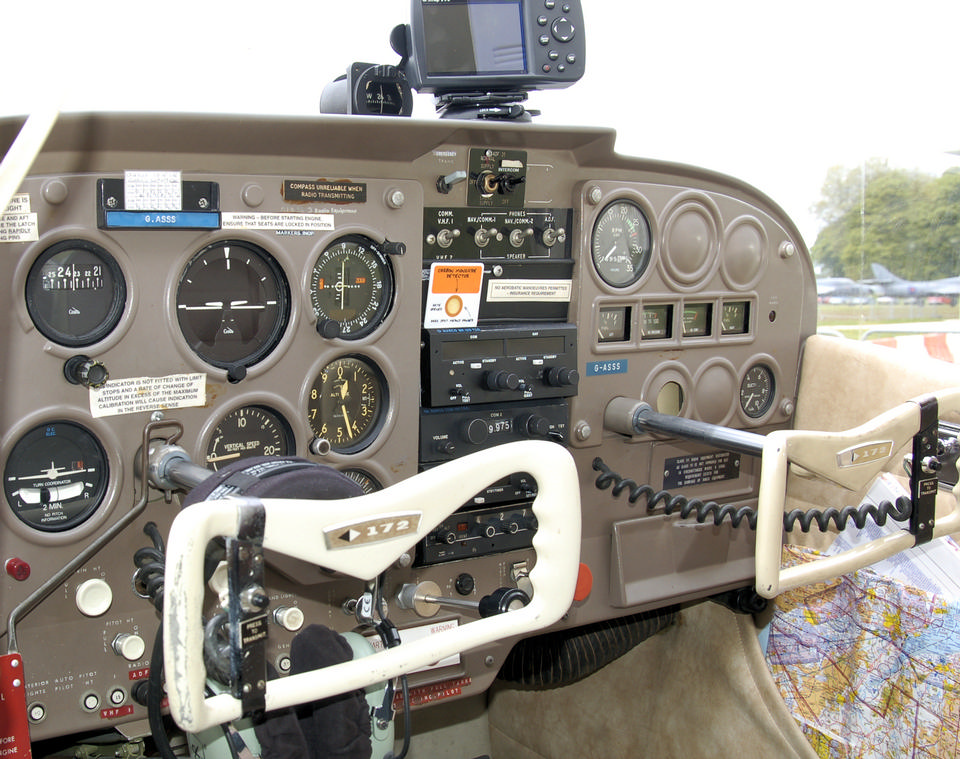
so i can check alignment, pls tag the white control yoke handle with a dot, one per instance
(362, 537)
(850, 459)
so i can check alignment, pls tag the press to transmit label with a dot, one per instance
(138, 394)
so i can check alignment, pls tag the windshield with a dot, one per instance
(843, 113)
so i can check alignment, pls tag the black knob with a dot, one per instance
(464, 584)
(83, 370)
(476, 431)
(236, 373)
(446, 446)
(561, 376)
(450, 538)
(501, 380)
(328, 329)
(534, 425)
(501, 600)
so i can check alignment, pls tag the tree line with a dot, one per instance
(908, 221)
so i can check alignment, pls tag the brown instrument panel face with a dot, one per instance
(307, 288)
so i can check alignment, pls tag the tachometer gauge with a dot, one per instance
(233, 303)
(351, 288)
(56, 476)
(347, 403)
(75, 293)
(621, 243)
(757, 391)
(249, 431)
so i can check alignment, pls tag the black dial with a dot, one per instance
(621, 243)
(347, 403)
(351, 286)
(56, 476)
(75, 293)
(367, 482)
(233, 303)
(249, 431)
(757, 391)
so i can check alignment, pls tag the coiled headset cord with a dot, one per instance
(899, 511)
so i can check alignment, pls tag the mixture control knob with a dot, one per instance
(130, 646)
(561, 376)
(502, 380)
(533, 425)
(476, 431)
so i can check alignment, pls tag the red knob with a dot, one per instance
(18, 569)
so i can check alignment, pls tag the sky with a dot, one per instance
(773, 93)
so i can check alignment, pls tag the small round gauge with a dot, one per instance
(75, 293)
(351, 287)
(364, 479)
(757, 391)
(347, 403)
(249, 431)
(56, 476)
(233, 303)
(621, 243)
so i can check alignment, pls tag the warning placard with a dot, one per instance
(137, 394)
(453, 297)
(504, 290)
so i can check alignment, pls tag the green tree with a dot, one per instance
(906, 220)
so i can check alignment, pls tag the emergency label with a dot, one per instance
(453, 297)
(143, 394)
(17, 223)
(278, 222)
(690, 471)
(503, 290)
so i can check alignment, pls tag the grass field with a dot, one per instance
(853, 320)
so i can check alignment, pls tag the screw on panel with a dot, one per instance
(594, 195)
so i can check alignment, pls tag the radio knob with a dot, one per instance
(447, 447)
(476, 431)
(561, 376)
(534, 425)
(501, 380)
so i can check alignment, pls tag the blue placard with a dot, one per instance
(163, 220)
(614, 366)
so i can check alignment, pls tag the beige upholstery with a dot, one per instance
(699, 689)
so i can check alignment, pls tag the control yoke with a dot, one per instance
(850, 459)
(362, 537)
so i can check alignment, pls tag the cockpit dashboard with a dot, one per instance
(380, 296)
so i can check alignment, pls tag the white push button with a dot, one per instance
(94, 597)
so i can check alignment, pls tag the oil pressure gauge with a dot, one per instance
(56, 476)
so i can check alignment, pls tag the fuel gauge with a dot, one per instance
(56, 476)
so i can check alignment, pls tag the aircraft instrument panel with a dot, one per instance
(381, 296)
